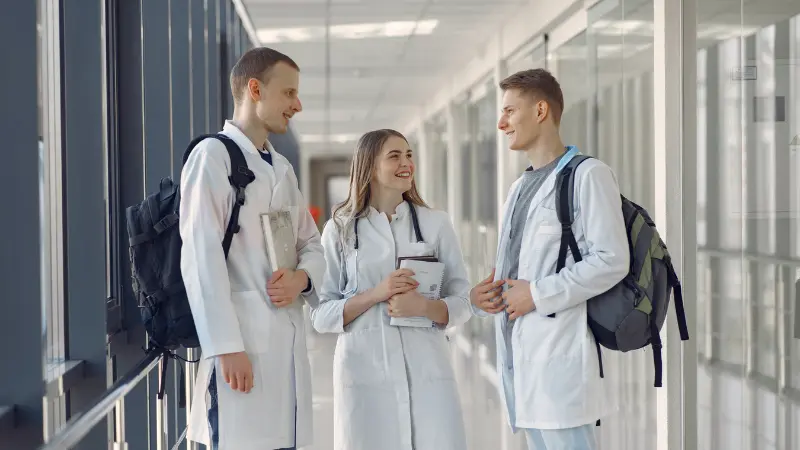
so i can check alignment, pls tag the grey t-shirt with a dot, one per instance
(532, 180)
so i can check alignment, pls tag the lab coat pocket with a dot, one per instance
(547, 234)
(358, 359)
(255, 320)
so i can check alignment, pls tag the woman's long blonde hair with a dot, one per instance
(362, 170)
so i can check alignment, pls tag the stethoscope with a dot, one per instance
(417, 234)
(414, 222)
(344, 271)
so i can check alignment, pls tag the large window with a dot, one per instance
(569, 63)
(436, 147)
(482, 120)
(612, 118)
(748, 94)
(51, 205)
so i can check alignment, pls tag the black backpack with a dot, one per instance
(630, 315)
(155, 257)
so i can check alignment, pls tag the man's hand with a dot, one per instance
(408, 304)
(518, 298)
(486, 295)
(285, 285)
(237, 371)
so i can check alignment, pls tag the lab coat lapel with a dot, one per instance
(281, 189)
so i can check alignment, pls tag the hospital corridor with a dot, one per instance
(150, 300)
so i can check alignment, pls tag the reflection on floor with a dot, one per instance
(485, 421)
(733, 413)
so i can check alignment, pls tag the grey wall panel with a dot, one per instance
(127, 351)
(213, 79)
(84, 197)
(156, 83)
(286, 144)
(236, 38)
(225, 106)
(244, 39)
(180, 66)
(199, 68)
(20, 382)
(181, 69)
(158, 159)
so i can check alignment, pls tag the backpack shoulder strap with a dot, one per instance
(680, 312)
(565, 187)
(565, 190)
(240, 177)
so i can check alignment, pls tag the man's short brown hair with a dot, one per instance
(255, 63)
(540, 85)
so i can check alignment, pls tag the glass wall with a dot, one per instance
(121, 87)
(50, 207)
(748, 206)
(748, 233)
(619, 120)
(482, 120)
(529, 59)
(568, 64)
(436, 148)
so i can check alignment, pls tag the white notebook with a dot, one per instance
(429, 275)
(279, 239)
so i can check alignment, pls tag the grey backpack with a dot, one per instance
(630, 315)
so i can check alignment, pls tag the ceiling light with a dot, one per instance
(350, 31)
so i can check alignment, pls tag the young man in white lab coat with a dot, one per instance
(255, 371)
(546, 356)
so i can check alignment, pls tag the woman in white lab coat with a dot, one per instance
(394, 386)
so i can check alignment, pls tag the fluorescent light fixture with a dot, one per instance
(321, 138)
(350, 31)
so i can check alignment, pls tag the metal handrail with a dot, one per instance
(748, 255)
(80, 425)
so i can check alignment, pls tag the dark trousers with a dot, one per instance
(213, 414)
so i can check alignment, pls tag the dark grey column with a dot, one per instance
(224, 58)
(199, 64)
(158, 157)
(245, 40)
(21, 386)
(127, 348)
(84, 204)
(236, 38)
(180, 63)
(213, 79)
(156, 82)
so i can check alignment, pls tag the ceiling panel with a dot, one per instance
(375, 81)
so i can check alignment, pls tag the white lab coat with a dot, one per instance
(230, 305)
(556, 377)
(415, 403)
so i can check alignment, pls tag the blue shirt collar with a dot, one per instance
(571, 151)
